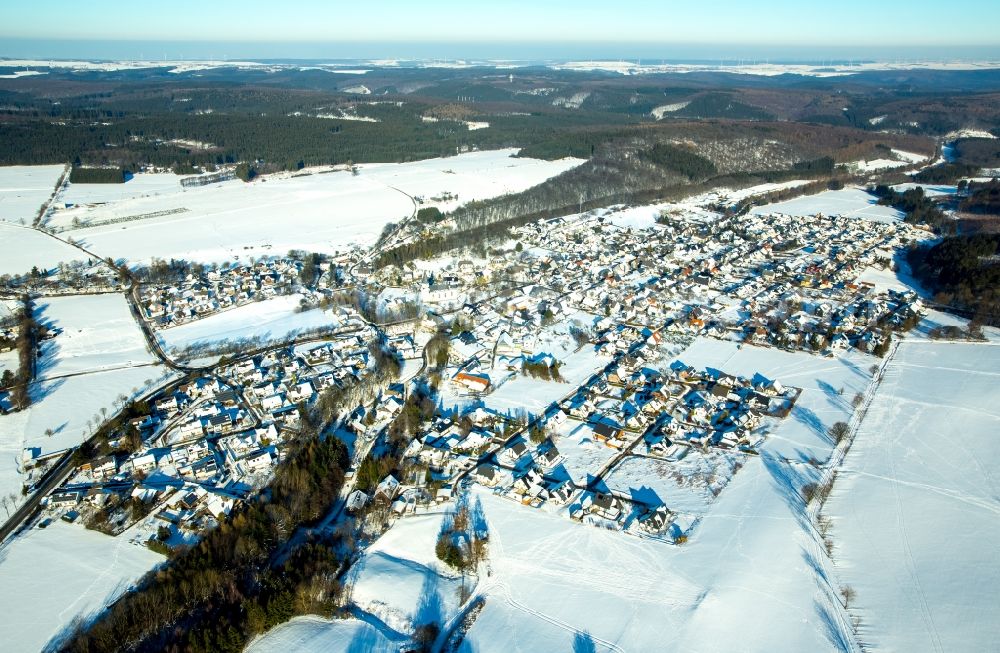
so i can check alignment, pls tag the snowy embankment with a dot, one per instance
(315, 211)
(269, 320)
(51, 577)
(852, 202)
(24, 189)
(915, 508)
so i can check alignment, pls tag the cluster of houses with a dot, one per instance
(219, 289)
(211, 440)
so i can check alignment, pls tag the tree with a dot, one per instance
(245, 172)
(839, 431)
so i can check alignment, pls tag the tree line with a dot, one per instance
(29, 333)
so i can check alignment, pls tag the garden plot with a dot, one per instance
(851, 202)
(327, 213)
(22, 248)
(534, 395)
(24, 189)
(55, 575)
(915, 507)
(583, 454)
(269, 320)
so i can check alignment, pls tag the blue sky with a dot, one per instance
(305, 28)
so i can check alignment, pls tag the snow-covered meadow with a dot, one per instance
(328, 635)
(268, 320)
(97, 356)
(915, 508)
(399, 579)
(56, 575)
(316, 211)
(23, 190)
(852, 202)
(94, 333)
(24, 248)
(144, 184)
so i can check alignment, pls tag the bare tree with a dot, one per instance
(839, 431)
(848, 594)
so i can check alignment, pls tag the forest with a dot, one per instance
(919, 208)
(964, 273)
(983, 197)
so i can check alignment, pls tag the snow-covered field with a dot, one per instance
(95, 332)
(916, 507)
(23, 190)
(746, 581)
(583, 455)
(140, 185)
(316, 212)
(853, 202)
(472, 176)
(24, 248)
(930, 190)
(399, 579)
(642, 217)
(52, 576)
(327, 635)
(688, 485)
(534, 395)
(268, 320)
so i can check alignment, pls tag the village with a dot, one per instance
(555, 363)
(201, 446)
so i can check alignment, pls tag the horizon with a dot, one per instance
(518, 30)
(488, 51)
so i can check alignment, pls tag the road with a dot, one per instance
(55, 477)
